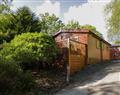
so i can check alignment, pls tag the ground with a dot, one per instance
(100, 79)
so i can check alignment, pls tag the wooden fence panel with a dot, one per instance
(77, 55)
(74, 55)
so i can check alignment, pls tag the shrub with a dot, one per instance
(13, 81)
(28, 49)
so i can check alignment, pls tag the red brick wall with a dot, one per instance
(75, 36)
(76, 62)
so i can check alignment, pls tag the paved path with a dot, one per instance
(105, 82)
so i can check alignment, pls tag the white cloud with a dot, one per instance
(48, 6)
(89, 13)
(99, 1)
(20, 3)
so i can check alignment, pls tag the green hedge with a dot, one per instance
(29, 49)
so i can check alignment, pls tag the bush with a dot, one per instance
(13, 81)
(29, 49)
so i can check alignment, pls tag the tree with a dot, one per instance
(112, 12)
(50, 23)
(5, 6)
(92, 29)
(7, 27)
(117, 42)
(5, 21)
(26, 21)
(75, 25)
(72, 25)
(22, 21)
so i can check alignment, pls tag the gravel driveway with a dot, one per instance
(99, 79)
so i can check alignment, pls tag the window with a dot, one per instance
(107, 48)
(103, 46)
(97, 44)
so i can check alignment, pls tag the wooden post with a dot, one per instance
(68, 65)
(86, 54)
(68, 74)
(101, 51)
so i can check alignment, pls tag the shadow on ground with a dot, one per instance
(101, 70)
(105, 89)
(101, 89)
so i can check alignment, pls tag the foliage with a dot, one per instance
(92, 29)
(7, 26)
(29, 49)
(72, 25)
(75, 25)
(117, 42)
(26, 21)
(22, 21)
(50, 23)
(112, 12)
(13, 81)
(5, 6)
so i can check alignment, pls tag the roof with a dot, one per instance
(81, 31)
(115, 45)
(71, 31)
(99, 38)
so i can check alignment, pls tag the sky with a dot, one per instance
(84, 11)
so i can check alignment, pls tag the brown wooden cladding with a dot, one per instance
(77, 56)
(105, 52)
(98, 50)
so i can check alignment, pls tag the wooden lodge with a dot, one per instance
(83, 47)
